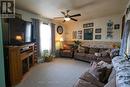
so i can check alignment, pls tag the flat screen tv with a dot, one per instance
(20, 32)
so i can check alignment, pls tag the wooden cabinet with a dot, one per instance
(20, 59)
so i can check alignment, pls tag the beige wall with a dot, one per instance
(98, 23)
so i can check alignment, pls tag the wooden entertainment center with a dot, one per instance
(20, 60)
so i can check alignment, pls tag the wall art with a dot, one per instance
(74, 34)
(79, 36)
(98, 30)
(117, 26)
(88, 34)
(97, 36)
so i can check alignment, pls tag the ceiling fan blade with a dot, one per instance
(67, 11)
(63, 12)
(73, 19)
(75, 15)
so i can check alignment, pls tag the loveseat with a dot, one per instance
(90, 54)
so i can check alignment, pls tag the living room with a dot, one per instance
(53, 43)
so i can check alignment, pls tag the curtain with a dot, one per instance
(53, 37)
(124, 38)
(35, 35)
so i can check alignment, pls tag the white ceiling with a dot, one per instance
(88, 8)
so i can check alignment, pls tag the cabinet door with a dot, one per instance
(15, 66)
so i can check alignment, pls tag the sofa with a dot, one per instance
(90, 54)
(97, 77)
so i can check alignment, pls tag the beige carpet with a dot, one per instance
(62, 72)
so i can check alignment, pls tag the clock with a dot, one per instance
(59, 29)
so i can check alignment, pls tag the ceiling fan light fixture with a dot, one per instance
(67, 18)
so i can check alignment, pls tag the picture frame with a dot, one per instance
(117, 26)
(74, 35)
(98, 30)
(98, 37)
(79, 36)
(59, 29)
(88, 34)
(88, 25)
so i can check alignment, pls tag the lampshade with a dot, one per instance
(61, 39)
(18, 37)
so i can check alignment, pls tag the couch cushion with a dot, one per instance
(93, 50)
(90, 78)
(83, 83)
(105, 54)
(95, 70)
(111, 83)
(112, 75)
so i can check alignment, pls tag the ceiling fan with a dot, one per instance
(67, 16)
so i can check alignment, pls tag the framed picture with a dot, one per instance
(59, 29)
(74, 34)
(88, 25)
(88, 34)
(98, 30)
(117, 26)
(97, 36)
(79, 34)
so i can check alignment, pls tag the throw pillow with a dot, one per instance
(81, 49)
(104, 64)
(100, 71)
(95, 70)
(90, 78)
(103, 77)
(97, 54)
(106, 70)
(114, 52)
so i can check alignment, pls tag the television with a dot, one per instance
(20, 32)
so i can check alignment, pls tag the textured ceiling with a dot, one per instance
(88, 8)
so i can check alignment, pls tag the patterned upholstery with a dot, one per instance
(89, 55)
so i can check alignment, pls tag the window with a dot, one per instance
(45, 37)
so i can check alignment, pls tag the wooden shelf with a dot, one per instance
(19, 58)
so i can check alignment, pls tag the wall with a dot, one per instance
(98, 23)
(2, 78)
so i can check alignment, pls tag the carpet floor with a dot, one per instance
(62, 72)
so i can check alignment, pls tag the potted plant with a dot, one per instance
(76, 44)
(48, 57)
